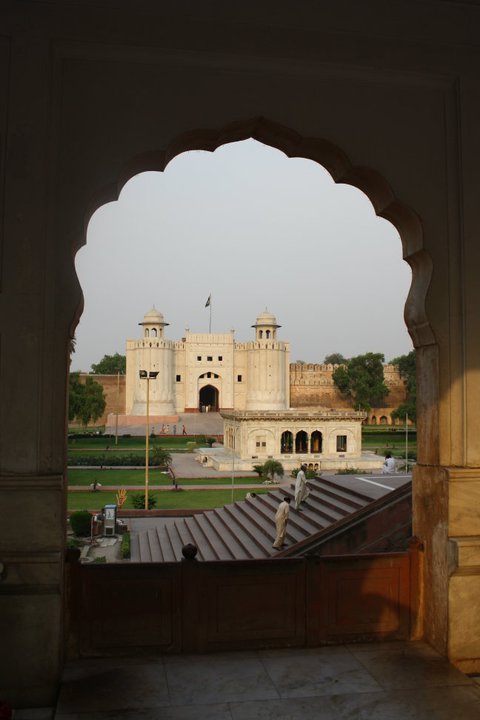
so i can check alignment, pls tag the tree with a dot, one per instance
(407, 366)
(361, 380)
(335, 359)
(86, 399)
(160, 456)
(110, 365)
(272, 468)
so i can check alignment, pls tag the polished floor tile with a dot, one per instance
(389, 681)
(112, 685)
(223, 677)
(186, 712)
(451, 703)
(326, 671)
(407, 665)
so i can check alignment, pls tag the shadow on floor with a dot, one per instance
(388, 681)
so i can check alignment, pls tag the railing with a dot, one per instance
(201, 607)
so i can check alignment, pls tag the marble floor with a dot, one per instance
(388, 681)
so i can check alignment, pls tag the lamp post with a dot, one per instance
(144, 375)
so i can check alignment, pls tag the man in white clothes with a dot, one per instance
(281, 517)
(389, 464)
(301, 489)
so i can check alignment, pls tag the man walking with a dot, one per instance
(281, 517)
(301, 489)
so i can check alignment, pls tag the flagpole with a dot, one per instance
(210, 321)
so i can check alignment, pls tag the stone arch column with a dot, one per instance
(73, 143)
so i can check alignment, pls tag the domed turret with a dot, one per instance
(153, 323)
(266, 326)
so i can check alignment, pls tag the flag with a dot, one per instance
(208, 301)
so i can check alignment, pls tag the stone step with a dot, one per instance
(179, 536)
(216, 541)
(155, 547)
(299, 524)
(313, 506)
(328, 500)
(200, 539)
(241, 545)
(262, 543)
(166, 544)
(264, 520)
(134, 548)
(351, 496)
(144, 547)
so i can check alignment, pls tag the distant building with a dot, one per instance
(207, 371)
(249, 384)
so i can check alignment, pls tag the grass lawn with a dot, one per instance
(382, 440)
(170, 500)
(77, 476)
(104, 447)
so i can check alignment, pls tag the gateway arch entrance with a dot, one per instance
(208, 399)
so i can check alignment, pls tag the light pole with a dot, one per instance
(144, 375)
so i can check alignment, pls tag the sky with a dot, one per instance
(253, 229)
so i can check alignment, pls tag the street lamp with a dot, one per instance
(144, 375)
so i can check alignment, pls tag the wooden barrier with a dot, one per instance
(202, 607)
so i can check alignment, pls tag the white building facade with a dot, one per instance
(207, 371)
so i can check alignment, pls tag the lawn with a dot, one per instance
(168, 500)
(117, 476)
(393, 440)
(179, 443)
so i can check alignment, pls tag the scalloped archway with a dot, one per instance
(336, 162)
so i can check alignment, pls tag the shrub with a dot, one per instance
(126, 459)
(258, 469)
(138, 501)
(81, 523)
(125, 546)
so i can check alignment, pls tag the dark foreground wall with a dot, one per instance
(201, 607)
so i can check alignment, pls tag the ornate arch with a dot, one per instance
(333, 159)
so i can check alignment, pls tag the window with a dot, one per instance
(199, 357)
(209, 358)
(147, 332)
(220, 358)
(341, 443)
(154, 332)
(239, 378)
(178, 378)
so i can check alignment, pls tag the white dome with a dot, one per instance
(153, 317)
(266, 318)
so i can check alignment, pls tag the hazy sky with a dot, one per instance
(255, 230)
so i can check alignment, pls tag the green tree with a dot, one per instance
(86, 399)
(75, 395)
(361, 380)
(160, 456)
(407, 366)
(110, 365)
(335, 359)
(272, 468)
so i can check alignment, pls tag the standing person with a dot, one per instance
(281, 517)
(301, 489)
(389, 464)
(184, 430)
